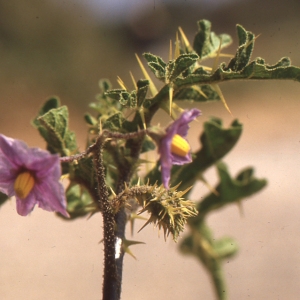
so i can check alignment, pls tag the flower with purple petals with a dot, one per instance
(173, 147)
(32, 176)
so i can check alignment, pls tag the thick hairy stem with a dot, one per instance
(121, 217)
(111, 283)
(113, 225)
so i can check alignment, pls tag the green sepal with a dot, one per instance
(52, 123)
(206, 42)
(180, 64)
(156, 65)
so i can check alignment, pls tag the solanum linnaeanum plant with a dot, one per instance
(105, 177)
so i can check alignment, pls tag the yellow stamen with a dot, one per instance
(24, 184)
(180, 146)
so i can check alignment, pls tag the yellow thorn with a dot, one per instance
(171, 51)
(177, 50)
(226, 55)
(133, 80)
(126, 189)
(207, 68)
(216, 61)
(250, 42)
(148, 222)
(152, 87)
(132, 218)
(166, 107)
(141, 111)
(197, 88)
(184, 38)
(121, 83)
(112, 191)
(176, 107)
(127, 243)
(174, 188)
(100, 127)
(170, 98)
(219, 92)
(240, 207)
(209, 186)
(186, 190)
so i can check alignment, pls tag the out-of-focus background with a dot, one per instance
(63, 48)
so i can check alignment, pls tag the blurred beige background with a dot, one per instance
(64, 48)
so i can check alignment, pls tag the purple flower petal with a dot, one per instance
(24, 207)
(15, 158)
(167, 158)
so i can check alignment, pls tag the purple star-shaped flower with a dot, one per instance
(31, 175)
(167, 158)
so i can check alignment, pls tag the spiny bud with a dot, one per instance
(167, 209)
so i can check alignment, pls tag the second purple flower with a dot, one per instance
(173, 147)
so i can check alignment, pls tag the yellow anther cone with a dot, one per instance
(24, 184)
(179, 146)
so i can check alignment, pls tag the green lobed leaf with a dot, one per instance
(117, 122)
(125, 98)
(104, 85)
(206, 42)
(156, 65)
(203, 93)
(180, 64)
(90, 120)
(142, 86)
(52, 123)
(229, 190)
(256, 70)
(259, 70)
(51, 103)
(202, 245)
(79, 202)
(243, 54)
(200, 242)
